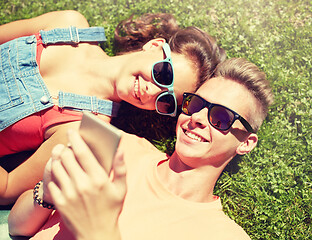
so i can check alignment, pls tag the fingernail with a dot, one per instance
(57, 150)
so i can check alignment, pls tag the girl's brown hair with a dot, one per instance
(197, 45)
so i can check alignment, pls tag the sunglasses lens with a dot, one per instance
(166, 104)
(163, 73)
(220, 117)
(192, 104)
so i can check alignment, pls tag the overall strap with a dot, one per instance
(73, 35)
(89, 103)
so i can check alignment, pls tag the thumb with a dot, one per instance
(47, 175)
(120, 171)
(48, 165)
(55, 154)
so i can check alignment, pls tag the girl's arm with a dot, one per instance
(25, 27)
(26, 216)
(26, 175)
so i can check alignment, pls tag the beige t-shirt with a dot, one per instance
(151, 212)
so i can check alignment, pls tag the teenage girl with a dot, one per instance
(52, 68)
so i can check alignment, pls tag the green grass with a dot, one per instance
(268, 192)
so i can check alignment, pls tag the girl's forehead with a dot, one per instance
(185, 73)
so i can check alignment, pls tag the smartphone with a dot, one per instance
(101, 137)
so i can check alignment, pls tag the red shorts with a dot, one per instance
(28, 133)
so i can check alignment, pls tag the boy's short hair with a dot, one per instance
(250, 76)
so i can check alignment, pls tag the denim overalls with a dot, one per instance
(22, 90)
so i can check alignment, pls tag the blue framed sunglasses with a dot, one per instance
(162, 73)
(220, 117)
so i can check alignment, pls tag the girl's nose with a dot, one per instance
(150, 91)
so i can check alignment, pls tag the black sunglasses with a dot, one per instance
(162, 73)
(220, 117)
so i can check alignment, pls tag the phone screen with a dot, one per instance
(101, 137)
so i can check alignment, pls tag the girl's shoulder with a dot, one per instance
(62, 19)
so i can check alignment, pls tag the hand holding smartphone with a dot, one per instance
(101, 137)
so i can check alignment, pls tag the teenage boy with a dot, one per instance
(168, 197)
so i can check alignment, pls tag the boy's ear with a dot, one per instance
(157, 42)
(247, 145)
